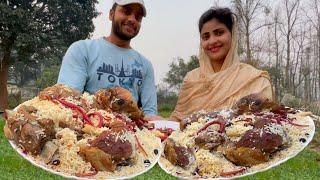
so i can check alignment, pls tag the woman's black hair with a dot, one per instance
(223, 15)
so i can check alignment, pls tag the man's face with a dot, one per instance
(126, 20)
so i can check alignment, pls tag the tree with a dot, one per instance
(277, 77)
(247, 12)
(313, 14)
(291, 17)
(166, 98)
(49, 77)
(33, 31)
(291, 43)
(22, 72)
(179, 70)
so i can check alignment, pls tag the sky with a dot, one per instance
(169, 31)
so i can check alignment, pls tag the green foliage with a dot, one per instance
(49, 77)
(37, 33)
(165, 114)
(315, 143)
(155, 173)
(166, 107)
(314, 108)
(14, 100)
(291, 101)
(22, 72)
(304, 166)
(166, 99)
(178, 71)
(42, 25)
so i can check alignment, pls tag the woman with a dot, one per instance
(221, 79)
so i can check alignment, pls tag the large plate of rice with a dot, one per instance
(71, 163)
(214, 165)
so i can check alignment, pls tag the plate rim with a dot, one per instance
(163, 120)
(65, 175)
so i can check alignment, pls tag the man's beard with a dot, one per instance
(116, 29)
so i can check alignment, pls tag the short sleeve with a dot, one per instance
(73, 71)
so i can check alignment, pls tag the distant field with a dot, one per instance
(305, 166)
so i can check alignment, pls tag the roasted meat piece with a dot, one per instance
(253, 103)
(262, 139)
(245, 156)
(32, 138)
(262, 123)
(178, 155)
(209, 139)
(59, 91)
(48, 127)
(107, 151)
(118, 148)
(100, 160)
(256, 145)
(119, 100)
(27, 131)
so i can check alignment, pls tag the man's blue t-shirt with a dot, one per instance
(90, 65)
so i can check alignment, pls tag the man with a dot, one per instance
(90, 65)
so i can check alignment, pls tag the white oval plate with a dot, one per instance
(43, 166)
(166, 124)
(254, 172)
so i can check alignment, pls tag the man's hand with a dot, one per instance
(152, 117)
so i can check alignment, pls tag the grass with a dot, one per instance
(165, 114)
(305, 166)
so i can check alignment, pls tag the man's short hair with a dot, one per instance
(114, 6)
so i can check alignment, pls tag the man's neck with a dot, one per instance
(118, 42)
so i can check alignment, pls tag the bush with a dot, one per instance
(291, 101)
(315, 109)
(297, 103)
(14, 100)
(166, 107)
(49, 77)
(167, 103)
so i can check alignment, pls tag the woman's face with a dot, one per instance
(215, 40)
